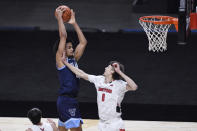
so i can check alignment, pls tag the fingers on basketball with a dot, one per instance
(66, 13)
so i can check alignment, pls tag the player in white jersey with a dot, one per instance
(34, 116)
(110, 93)
(43, 127)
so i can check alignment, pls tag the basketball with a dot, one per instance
(66, 14)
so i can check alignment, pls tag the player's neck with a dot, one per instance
(108, 79)
(70, 57)
(39, 124)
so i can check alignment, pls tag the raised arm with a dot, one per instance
(131, 85)
(76, 71)
(62, 35)
(82, 40)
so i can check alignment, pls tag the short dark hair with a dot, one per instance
(34, 115)
(115, 75)
(56, 44)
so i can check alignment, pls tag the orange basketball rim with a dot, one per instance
(162, 20)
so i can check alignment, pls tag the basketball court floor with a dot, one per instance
(20, 124)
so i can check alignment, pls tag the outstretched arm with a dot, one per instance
(131, 85)
(82, 40)
(76, 71)
(62, 35)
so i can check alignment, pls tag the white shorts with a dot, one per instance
(116, 124)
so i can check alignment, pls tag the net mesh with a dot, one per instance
(156, 33)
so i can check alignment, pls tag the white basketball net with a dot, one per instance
(157, 34)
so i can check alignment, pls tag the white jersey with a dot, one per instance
(109, 96)
(44, 127)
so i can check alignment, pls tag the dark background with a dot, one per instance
(28, 69)
(28, 77)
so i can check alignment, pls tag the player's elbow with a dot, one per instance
(82, 75)
(135, 88)
(84, 42)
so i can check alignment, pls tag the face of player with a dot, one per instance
(69, 49)
(109, 70)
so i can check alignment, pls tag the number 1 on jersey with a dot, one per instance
(103, 97)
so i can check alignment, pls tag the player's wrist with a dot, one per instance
(119, 72)
(59, 18)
